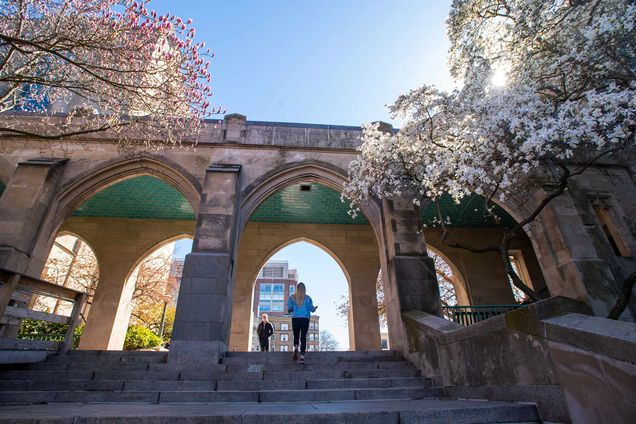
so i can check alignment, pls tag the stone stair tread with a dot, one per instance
(350, 412)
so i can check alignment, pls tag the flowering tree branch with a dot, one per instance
(568, 94)
(103, 65)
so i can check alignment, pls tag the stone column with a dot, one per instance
(204, 310)
(410, 282)
(576, 260)
(25, 211)
(109, 315)
(364, 330)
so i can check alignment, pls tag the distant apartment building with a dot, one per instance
(274, 284)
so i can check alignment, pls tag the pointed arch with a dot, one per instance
(316, 171)
(82, 188)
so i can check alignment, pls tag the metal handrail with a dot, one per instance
(471, 314)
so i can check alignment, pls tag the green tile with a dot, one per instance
(470, 212)
(143, 197)
(320, 205)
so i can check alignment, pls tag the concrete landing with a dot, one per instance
(430, 411)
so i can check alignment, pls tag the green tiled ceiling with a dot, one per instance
(146, 197)
(319, 205)
(143, 197)
(470, 212)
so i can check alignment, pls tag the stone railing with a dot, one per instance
(572, 365)
(18, 289)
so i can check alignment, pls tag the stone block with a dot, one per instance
(306, 395)
(105, 396)
(200, 396)
(206, 265)
(185, 354)
(27, 397)
(614, 339)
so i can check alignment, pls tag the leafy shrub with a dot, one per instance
(42, 330)
(138, 337)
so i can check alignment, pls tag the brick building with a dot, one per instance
(274, 284)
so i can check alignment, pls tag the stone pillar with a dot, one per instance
(202, 324)
(364, 328)
(25, 209)
(576, 260)
(109, 314)
(410, 282)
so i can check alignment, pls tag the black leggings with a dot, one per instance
(300, 326)
(264, 345)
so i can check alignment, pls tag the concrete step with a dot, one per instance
(112, 366)
(339, 366)
(156, 396)
(310, 357)
(333, 374)
(346, 412)
(299, 373)
(204, 385)
(77, 356)
(369, 383)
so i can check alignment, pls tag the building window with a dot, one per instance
(273, 272)
(292, 288)
(284, 337)
(284, 348)
(273, 337)
(519, 266)
(284, 327)
(613, 234)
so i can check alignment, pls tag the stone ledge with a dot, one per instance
(615, 339)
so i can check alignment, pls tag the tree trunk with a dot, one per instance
(623, 300)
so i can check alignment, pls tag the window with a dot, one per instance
(610, 229)
(519, 266)
(273, 272)
(292, 288)
(263, 308)
(284, 327)
(284, 348)
(284, 338)
(277, 307)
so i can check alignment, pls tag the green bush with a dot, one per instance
(42, 330)
(138, 337)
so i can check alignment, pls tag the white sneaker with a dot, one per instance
(302, 359)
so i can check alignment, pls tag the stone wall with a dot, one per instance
(574, 366)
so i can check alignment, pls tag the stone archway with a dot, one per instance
(85, 185)
(353, 247)
(359, 260)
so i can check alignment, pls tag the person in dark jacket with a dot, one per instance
(264, 331)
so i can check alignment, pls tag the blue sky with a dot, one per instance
(332, 62)
(328, 62)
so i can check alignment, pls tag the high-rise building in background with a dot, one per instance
(274, 284)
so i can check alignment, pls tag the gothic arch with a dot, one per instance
(80, 189)
(296, 172)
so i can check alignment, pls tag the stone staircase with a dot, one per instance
(245, 387)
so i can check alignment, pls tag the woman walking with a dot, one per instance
(300, 306)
